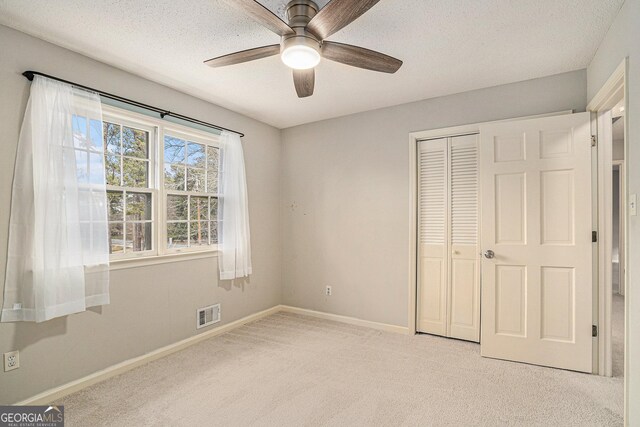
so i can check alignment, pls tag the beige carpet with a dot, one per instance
(290, 370)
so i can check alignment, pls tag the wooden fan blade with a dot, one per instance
(262, 15)
(338, 14)
(304, 81)
(360, 57)
(244, 56)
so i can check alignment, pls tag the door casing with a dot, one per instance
(615, 88)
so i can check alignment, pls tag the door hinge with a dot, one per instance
(594, 331)
(594, 236)
(594, 140)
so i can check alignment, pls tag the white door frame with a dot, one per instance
(414, 138)
(615, 87)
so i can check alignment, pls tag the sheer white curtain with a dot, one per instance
(234, 239)
(58, 254)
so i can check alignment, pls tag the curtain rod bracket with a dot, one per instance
(31, 74)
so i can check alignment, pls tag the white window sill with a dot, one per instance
(121, 264)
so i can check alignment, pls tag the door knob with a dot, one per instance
(489, 254)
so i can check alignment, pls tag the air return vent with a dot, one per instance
(208, 316)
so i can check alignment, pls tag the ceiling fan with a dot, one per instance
(303, 41)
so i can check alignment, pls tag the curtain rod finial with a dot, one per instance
(29, 75)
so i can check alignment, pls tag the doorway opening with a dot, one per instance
(617, 238)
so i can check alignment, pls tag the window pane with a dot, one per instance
(79, 131)
(112, 169)
(96, 168)
(195, 179)
(199, 233)
(84, 205)
(195, 155)
(177, 234)
(138, 206)
(98, 204)
(99, 240)
(174, 177)
(82, 173)
(134, 172)
(212, 158)
(95, 134)
(174, 150)
(199, 208)
(214, 232)
(128, 239)
(116, 241)
(213, 208)
(112, 137)
(177, 207)
(212, 181)
(85, 232)
(138, 236)
(114, 200)
(135, 142)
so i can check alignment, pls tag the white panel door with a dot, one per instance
(464, 289)
(432, 251)
(536, 218)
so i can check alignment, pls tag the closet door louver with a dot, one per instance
(464, 318)
(433, 241)
(464, 190)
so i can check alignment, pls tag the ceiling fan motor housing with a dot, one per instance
(299, 13)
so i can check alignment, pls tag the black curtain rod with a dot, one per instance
(163, 113)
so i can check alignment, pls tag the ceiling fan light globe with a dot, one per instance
(300, 57)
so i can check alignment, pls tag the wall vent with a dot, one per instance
(208, 316)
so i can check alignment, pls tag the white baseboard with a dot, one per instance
(59, 392)
(346, 319)
(56, 393)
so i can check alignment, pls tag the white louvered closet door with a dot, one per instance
(464, 289)
(432, 252)
(448, 268)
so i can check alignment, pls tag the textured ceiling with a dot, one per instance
(447, 47)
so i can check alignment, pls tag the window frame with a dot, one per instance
(157, 128)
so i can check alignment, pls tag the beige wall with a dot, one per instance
(151, 306)
(345, 194)
(623, 40)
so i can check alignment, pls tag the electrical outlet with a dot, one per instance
(11, 360)
(328, 291)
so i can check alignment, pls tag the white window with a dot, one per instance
(191, 190)
(162, 186)
(130, 174)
